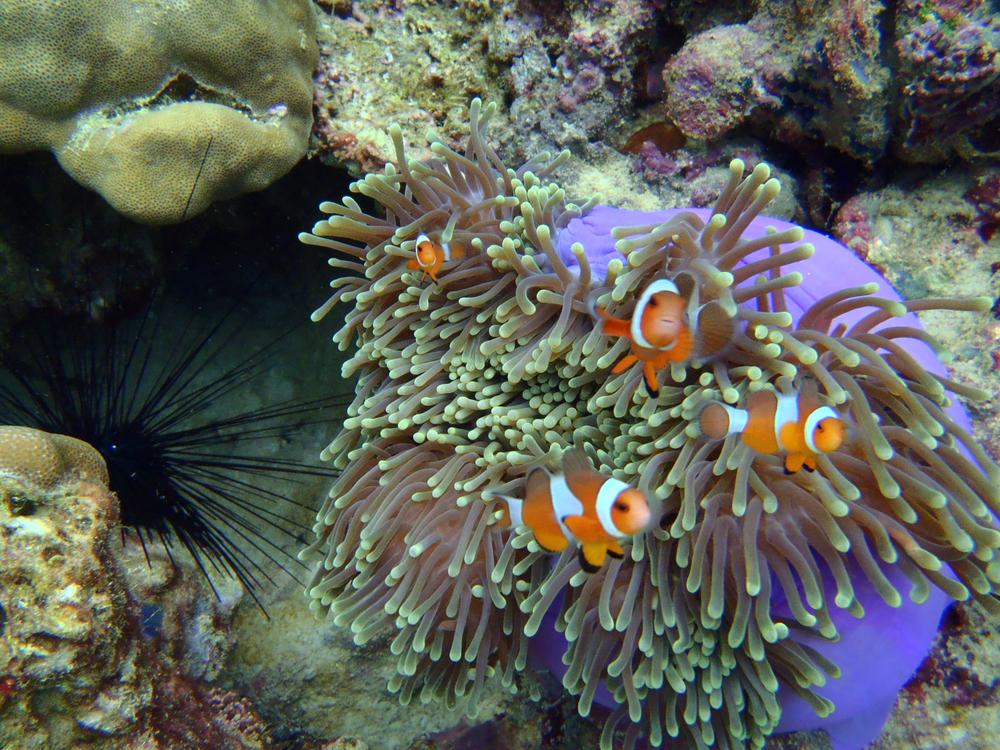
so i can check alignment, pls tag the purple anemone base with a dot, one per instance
(878, 653)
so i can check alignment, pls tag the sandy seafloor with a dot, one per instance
(855, 160)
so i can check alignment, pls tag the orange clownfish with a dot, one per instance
(580, 505)
(772, 423)
(431, 255)
(657, 330)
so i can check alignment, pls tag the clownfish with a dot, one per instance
(799, 425)
(580, 505)
(431, 255)
(657, 330)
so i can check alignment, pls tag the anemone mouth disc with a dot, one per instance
(467, 386)
(172, 402)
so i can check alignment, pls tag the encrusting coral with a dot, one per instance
(466, 385)
(162, 108)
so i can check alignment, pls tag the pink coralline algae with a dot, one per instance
(827, 77)
(812, 76)
(852, 227)
(985, 196)
(717, 79)
(949, 58)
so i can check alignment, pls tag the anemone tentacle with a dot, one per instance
(466, 386)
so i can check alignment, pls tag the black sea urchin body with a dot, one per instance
(163, 398)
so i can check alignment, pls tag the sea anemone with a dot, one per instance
(466, 385)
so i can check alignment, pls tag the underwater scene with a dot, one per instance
(499, 375)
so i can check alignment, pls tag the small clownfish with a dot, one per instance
(581, 505)
(431, 255)
(657, 330)
(772, 423)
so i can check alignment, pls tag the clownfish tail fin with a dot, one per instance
(715, 420)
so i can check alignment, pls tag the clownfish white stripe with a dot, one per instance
(738, 418)
(606, 498)
(513, 510)
(564, 502)
(786, 412)
(812, 422)
(660, 285)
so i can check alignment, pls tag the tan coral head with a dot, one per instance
(40, 461)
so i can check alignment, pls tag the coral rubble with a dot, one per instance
(466, 385)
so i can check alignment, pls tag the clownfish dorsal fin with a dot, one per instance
(583, 480)
(762, 399)
(809, 396)
(536, 485)
(576, 461)
(715, 330)
(687, 287)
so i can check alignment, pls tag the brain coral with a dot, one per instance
(466, 385)
(162, 108)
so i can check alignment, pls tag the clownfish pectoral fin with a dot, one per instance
(794, 462)
(615, 327)
(649, 377)
(683, 348)
(592, 556)
(616, 551)
(584, 528)
(625, 363)
(413, 265)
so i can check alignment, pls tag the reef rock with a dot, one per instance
(162, 108)
(949, 57)
(67, 667)
(812, 70)
(81, 662)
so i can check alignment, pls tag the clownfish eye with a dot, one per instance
(652, 301)
(622, 507)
